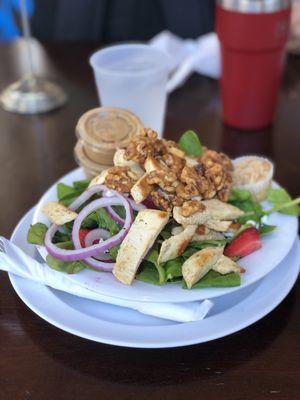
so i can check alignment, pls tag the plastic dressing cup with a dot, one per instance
(101, 131)
(134, 77)
(104, 129)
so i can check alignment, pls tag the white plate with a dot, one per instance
(124, 327)
(275, 247)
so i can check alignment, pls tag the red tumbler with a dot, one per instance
(253, 34)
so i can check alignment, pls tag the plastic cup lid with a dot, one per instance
(107, 128)
(85, 162)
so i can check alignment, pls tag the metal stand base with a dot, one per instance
(32, 96)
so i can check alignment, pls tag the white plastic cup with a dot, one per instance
(134, 77)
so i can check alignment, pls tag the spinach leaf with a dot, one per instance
(101, 219)
(189, 251)
(208, 243)
(64, 190)
(236, 258)
(67, 245)
(264, 229)
(69, 267)
(194, 247)
(239, 195)
(166, 233)
(113, 251)
(278, 195)
(243, 200)
(90, 222)
(283, 202)
(61, 237)
(173, 268)
(253, 211)
(68, 227)
(36, 233)
(152, 258)
(120, 211)
(190, 143)
(81, 185)
(106, 222)
(67, 200)
(214, 279)
(238, 231)
(148, 273)
(67, 194)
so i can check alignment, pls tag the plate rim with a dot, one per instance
(182, 327)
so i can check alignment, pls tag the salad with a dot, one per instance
(166, 212)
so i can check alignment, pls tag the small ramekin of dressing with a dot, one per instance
(254, 174)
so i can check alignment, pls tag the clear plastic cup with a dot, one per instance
(134, 77)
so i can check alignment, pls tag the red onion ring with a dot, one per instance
(82, 253)
(89, 192)
(109, 192)
(98, 234)
(99, 264)
(106, 266)
(114, 215)
(106, 193)
(135, 206)
(95, 234)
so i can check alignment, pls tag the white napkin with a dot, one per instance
(14, 260)
(201, 55)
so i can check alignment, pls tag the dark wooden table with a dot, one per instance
(37, 360)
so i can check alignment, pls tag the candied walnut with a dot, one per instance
(120, 178)
(161, 200)
(216, 176)
(211, 157)
(148, 132)
(224, 193)
(174, 177)
(216, 167)
(209, 194)
(194, 176)
(191, 161)
(176, 164)
(144, 145)
(172, 147)
(186, 192)
(189, 175)
(226, 162)
(165, 179)
(177, 201)
(151, 164)
(170, 143)
(191, 207)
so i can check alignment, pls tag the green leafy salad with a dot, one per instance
(105, 217)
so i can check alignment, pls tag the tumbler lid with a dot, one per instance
(254, 6)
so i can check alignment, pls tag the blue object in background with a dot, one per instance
(9, 28)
